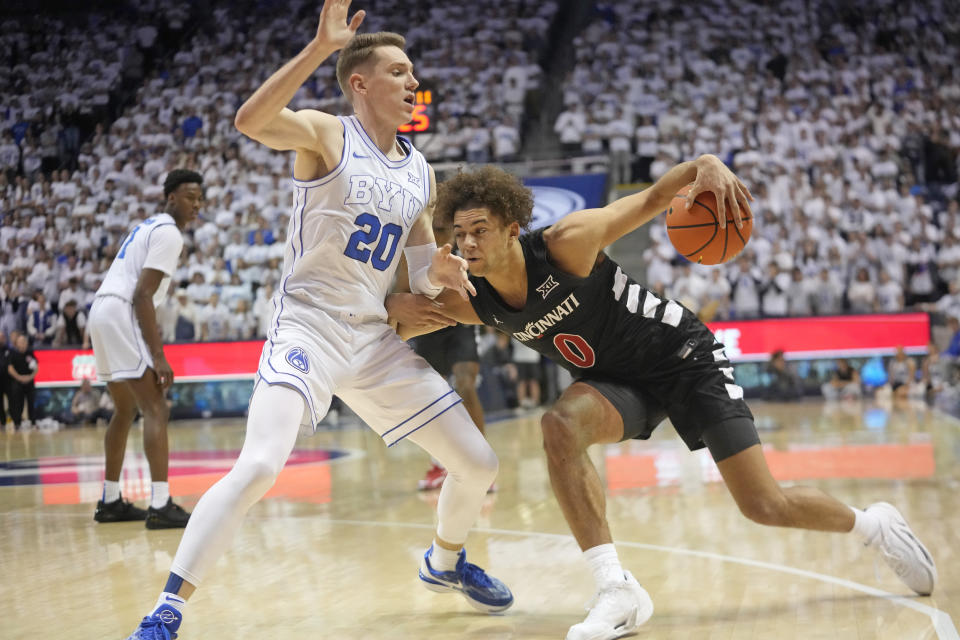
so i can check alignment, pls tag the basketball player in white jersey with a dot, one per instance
(361, 194)
(129, 351)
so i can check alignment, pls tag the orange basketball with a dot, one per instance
(696, 234)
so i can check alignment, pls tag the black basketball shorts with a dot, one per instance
(444, 348)
(695, 390)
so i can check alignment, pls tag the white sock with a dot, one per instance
(866, 525)
(171, 599)
(443, 559)
(111, 491)
(605, 565)
(160, 493)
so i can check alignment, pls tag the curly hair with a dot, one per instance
(487, 187)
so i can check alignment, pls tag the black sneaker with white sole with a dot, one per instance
(118, 511)
(169, 516)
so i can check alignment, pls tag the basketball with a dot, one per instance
(696, 234)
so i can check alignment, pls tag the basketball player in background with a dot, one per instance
(451, 350)
(361, 193)
(129, 350)
(636, 360)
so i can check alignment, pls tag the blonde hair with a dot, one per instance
(361, 50)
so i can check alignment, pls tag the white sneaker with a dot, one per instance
(615, 612)
(902, 550)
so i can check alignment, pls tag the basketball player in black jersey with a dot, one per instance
(636, 359)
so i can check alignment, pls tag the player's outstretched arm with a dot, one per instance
(265, 116)
(575, 241)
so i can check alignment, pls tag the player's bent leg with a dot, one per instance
(759, 496)
(471, 467)
(272, 426)
(153, 405)
(112, 507)
(580, 417)
(881, 526)
(583, 416)
(163, 512)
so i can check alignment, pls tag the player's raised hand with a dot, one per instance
(333, 28)
(450, 271)
(714, 176)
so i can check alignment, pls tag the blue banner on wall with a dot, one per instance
(556, 196)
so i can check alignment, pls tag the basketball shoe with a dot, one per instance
(162, 624)
(484, 593)
(902, 550)
(169, 516)
(118, 511)
(434, 478)
(616, 611)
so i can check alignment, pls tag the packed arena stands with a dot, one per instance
(844, 120)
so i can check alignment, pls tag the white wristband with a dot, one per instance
(418, 266)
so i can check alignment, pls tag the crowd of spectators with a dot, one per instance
(843, 119)
(63, 219)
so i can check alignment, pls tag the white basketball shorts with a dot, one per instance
(118, 344)
(366, 364)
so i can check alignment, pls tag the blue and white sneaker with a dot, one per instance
(162, 624)
(484, 593)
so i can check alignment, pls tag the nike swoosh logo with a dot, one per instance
(357, 155)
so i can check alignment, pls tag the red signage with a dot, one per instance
(190, 362)
(824, 337)
(745, 341)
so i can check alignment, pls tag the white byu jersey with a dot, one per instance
(349, 228)
(155, 243)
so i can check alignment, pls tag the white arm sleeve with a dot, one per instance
(418, 264)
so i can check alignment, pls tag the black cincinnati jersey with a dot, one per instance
(603, 326)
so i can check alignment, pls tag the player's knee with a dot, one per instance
(156, 411)
(561, 439)
(769, 510)
(258, 475)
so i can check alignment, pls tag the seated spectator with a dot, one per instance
(41, 320)
(106, 404)
(263, 308)
(844, 382)
(215, 320)
(85, 406)
(889, 294)
(901, 373)
(243, 323)
(785, 384)
(935, 373)
(70, 330)
(953, 349)
(861, 294)
(185, 329)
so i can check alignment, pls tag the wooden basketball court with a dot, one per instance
(332, 552)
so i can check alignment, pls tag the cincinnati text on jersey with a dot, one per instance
(534, 330)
